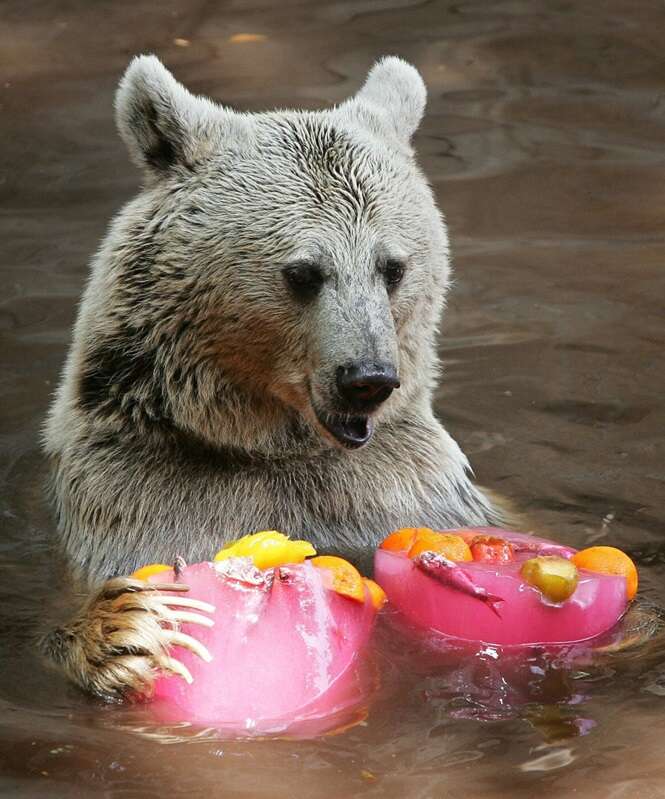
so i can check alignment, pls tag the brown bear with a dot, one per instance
(255, 349)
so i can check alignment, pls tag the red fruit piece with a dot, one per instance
(487, 548)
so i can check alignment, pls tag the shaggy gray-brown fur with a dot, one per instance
(197, 398)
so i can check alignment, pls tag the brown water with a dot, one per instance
(545, 141)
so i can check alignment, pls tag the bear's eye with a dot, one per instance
(304, 279)
(393, 272)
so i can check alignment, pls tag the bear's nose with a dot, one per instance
(366, 385)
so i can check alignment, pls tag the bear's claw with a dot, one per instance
(187, 602)
(121, 640)
(175, 638)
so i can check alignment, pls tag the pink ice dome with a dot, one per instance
(287, 652)
(501, 608)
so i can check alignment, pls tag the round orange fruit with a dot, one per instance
(609, 560)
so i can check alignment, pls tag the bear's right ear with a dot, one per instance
(162, 124)
(392, 101)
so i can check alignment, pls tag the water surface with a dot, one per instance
(544, 141)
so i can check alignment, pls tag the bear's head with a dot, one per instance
(280, 276)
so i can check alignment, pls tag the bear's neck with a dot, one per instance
(128, 500)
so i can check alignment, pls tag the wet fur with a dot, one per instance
(185, 413)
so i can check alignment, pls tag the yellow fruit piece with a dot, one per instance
(267, 549)
(556, 577)
(346, 579)
(609, 560)
(147, 571)
(377, 594)
(452, 547)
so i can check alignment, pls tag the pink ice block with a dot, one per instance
(523, 616)
(286, 651)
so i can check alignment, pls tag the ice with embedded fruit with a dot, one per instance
(286, 651)
(503, 587)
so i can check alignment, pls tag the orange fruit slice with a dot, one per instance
(346, 579)
(453, 547)
(402, 540)
(609, 560)
(147, 571)
(376, 593)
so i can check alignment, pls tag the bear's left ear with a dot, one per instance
(162, 124)
(392, 101)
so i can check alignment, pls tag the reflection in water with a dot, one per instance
(544, 143)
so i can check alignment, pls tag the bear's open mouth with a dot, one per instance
(349, 431)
